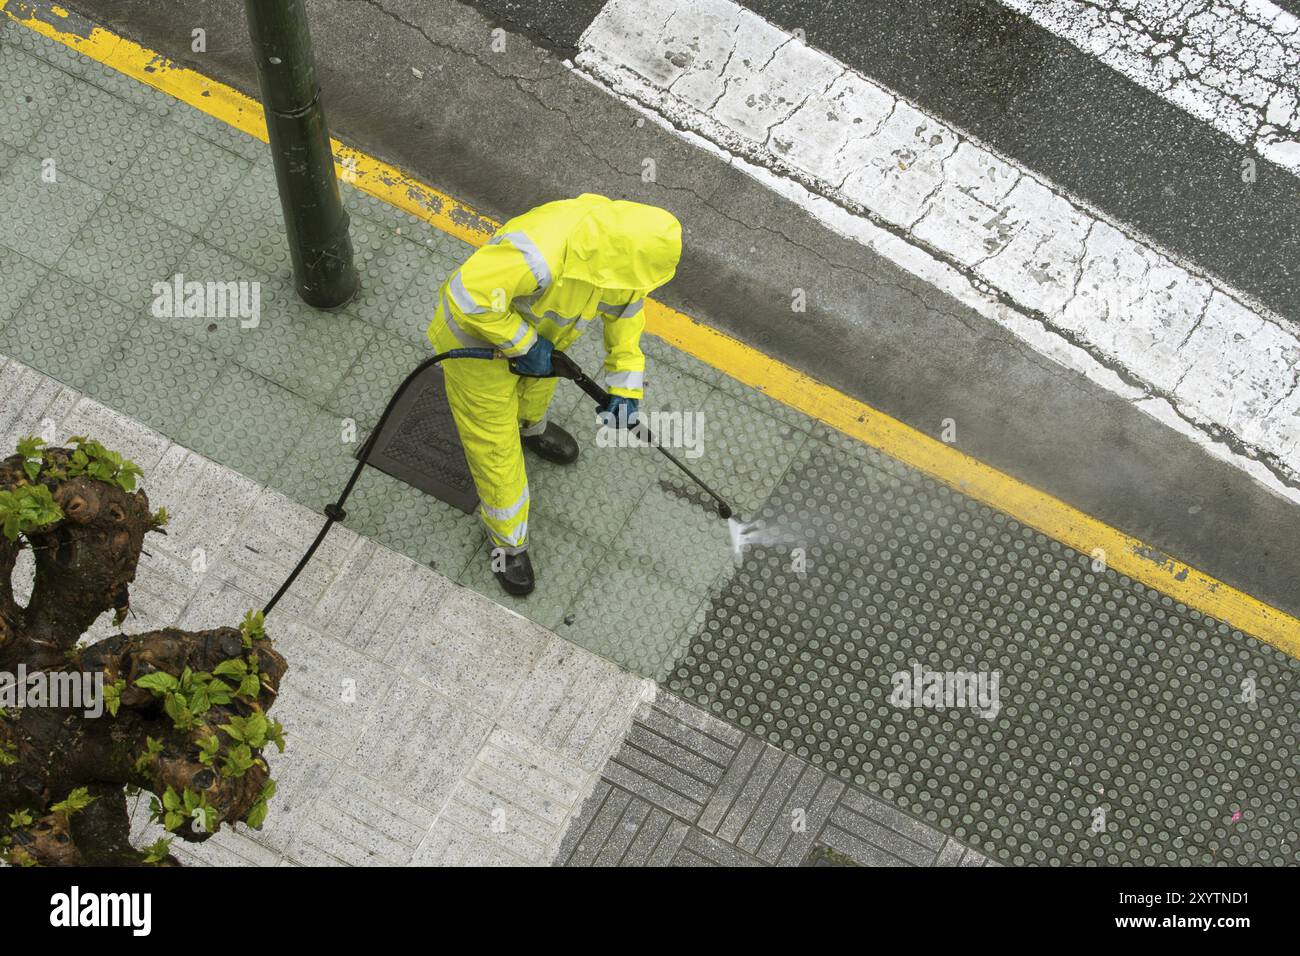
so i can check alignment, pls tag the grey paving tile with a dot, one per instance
(366, 388)
(759, 801)
(811, 803)
(250, 225)
(330, 691)
(184, 117)
(750, 794)
(420, 743)
(574, 704)
(226, 848)
(206, 504)
(182, 178)
(274, 534)
(710, 851)
(248, 423)
(516, 797)
(94, 135)
(324, 457)
(217, 603)
(31, 89)
(687, 717)
(412, 523)
(883, 813)
(564, 562)
(46, 208)
(385, 262)
(665, 852)
(563, 491)
(601, 814)
(19, 276)
(624, 833)
(733, 783)
(447, 845)
(379, 602)
(31, 404)
(307, 351)
(123, 251)
(675, 539)
(644, 627)
(657, 783)
(880, 836)
(663, 748)
(650, 834)
(49, 331)
(301, 775)
(858, 850)
(358, 821)
(951, 853)
(89, 418)
(154, 375)
(474, 652)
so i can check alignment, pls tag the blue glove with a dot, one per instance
(618, 412)
(536, 361)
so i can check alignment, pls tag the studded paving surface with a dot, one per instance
(1117, 709)
(1112, 700)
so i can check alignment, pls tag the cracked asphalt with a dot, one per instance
(500, 121)
(1062, 112)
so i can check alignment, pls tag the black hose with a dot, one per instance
(562, 367)
(335, 511)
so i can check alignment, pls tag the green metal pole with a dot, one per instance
(314, 217)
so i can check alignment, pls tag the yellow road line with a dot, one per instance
(1054, 518)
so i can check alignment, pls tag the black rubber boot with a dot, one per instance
(517, 578)
(554, 444)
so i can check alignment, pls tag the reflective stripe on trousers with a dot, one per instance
(488, 403)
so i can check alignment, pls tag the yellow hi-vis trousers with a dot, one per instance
(490, 404)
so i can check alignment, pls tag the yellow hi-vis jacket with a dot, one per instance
(555, 268)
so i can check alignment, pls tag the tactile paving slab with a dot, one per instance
(1128, 728)
(419, 444)
(687, 789)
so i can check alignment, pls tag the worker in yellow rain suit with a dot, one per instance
(535, 287)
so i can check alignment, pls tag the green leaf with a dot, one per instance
(26, 509)
(30, 447)
(152, 748)
(159, 682)
(158, 852)
(209, 747)
(171, 799)
(253, 627)
(113, 696)
(235, 667)
(239, 760)
(20, 818)
(74, 802)
(177, 708)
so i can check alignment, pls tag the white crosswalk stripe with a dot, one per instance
(1091, 293)
(1234, 64)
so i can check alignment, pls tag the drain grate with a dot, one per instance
(419, 444)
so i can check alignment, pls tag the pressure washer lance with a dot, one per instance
(561, 367)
